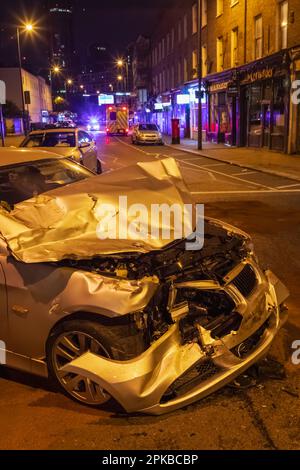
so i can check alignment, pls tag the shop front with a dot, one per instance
(264, 97)
(222, 111)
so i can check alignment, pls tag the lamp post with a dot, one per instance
(123, 63)
(199, 72)
(29, 28)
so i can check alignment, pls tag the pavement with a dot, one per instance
(265, 414)
(271, 162)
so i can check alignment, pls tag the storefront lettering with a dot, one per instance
(259, 75)
(218, 87)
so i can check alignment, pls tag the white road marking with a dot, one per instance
(235, 177)
(208, 165)
(154, 155)
(256, 191)
(246, 173)
(287, 186)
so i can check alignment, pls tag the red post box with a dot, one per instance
(175, 131)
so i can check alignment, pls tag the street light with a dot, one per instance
(70, 81)
(28, 27)
(124, 63)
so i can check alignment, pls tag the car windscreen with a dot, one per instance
(51, 139)
(147, 127)
(26, 180)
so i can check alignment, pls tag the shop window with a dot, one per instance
(255, 113)
(258, 37)
(283, 15)
(278, 108)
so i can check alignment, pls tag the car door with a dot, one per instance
(88, 150)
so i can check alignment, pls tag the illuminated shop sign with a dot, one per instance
(194, 95)
(158, 106)
(183, 99)
(105, 99)
(263, 74)
(222, 86)
(165, 105)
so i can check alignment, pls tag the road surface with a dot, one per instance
(264, 416)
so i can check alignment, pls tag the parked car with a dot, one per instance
(73, 143)
(147, 322)
(146, 134)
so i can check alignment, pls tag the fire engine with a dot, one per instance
(117, 118)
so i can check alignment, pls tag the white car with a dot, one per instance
(147, 134)
(76, 144)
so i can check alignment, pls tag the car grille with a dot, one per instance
(245, 348)
(245, 281)
(201, 371)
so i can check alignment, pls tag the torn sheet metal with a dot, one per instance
(63, 223)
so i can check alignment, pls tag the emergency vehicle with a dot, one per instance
(117, 120)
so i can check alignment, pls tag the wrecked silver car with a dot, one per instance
(148, 323)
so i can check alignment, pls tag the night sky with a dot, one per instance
(113, 22)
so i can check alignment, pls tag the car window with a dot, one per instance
(59, 139)
(35, 140)
(148, 127)
(84, 137)
(24, 181)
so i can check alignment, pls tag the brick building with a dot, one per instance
(250, 59)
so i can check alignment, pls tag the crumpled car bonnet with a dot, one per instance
(63, 222)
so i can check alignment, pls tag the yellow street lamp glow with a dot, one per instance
(56, 69)
(120, 77)
(69, 81)
(120, 63)
(29, 27)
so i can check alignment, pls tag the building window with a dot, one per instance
(258, 37)
(283, 13)
(194, 63)
(160, 82)
(179, 31)
(195, 18)
(185, 70)
(163, 48)
(220, 54)
(234, 47)
(204, 61)
(220, 7)
(172, 77)
(185, 27)
(204, 13)
(179, 72)
(172, 39)
(168, 43)
(159, 52)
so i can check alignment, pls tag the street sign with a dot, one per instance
(27, 97)
(2, 92)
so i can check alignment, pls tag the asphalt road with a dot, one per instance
(264, 416)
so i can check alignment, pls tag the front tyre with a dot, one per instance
(73, 338)
(99, 167)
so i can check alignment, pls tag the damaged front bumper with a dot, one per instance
(171, 374)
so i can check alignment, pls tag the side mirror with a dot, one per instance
(84, 145)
